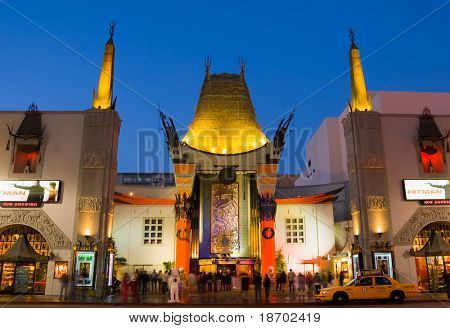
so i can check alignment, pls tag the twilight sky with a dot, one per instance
(292, 50)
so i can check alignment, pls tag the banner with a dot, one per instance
(29, 193)
(426, 189)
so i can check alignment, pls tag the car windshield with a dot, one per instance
(352, 282)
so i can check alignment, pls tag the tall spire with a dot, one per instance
(360, 100)
(103, 97)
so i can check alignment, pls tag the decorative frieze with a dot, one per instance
(351, 166)
(98, 118)
(354, 206)
(94, 161)
(38, 220)
(372, 161)
(421, 218)
(368, 120)
(347, 123)
(89, 204)
(377, 203)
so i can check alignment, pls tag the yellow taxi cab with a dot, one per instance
(369, 286)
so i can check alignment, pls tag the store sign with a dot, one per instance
(84, 269)
(28, 193)
(427, 190)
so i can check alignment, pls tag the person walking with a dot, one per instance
(291, 279)
(64, 287)
(301, 284)
(159, 279)
(209, 281)
(267, 284)
(330, 278)
(257, 280)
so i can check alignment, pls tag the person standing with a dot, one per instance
(154, 280)
(301, 284)
(145, 280)
(341, 278)
(267, 284)
(245, 286)
(160, 280)
(125, 287)
(330, 278)
(309, 283)
(283, 280)
(291, 279)
(165, 283)
(317, 285)
(278, 280)
(257, 280)
(64, 287)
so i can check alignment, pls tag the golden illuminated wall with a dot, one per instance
(224, 218)
(225, 120)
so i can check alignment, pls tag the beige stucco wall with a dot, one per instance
(61, 161)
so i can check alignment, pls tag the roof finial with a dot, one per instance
(242, 65)
(112, 28)
(207, 66)
(351, 32)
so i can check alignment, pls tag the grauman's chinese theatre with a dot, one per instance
(225, 173)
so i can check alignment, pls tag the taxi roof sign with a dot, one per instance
(370, 272)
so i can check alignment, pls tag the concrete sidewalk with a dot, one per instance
(283, 299)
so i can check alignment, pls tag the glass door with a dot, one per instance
(436, 273)
(23, 281)
(383, 261)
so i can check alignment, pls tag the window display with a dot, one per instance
(61, 268)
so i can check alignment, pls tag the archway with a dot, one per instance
(24, 255)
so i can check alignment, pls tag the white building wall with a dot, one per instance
(319, 233)
(128, 232)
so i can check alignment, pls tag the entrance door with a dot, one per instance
(383, 261)
(228, 268)
(24, 278)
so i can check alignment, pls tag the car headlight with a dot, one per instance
(325, 292)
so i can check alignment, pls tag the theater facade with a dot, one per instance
(57, 171)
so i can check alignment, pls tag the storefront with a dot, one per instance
(432, 263)
(22, 269)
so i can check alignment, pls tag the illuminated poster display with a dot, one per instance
(28, 193)
(84, 268)
(427, 190)
(224, 218)
(61, 269)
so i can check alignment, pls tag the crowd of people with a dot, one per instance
(142, 283)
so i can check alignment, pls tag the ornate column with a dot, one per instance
(267, 211)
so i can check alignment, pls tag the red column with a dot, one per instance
(267, 246)
(183, 246)
(267, 210)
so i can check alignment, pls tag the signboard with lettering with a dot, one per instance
(28, 193)
(427, 190)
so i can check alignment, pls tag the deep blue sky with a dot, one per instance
(292, 48)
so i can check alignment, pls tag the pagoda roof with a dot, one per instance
(21, 251)
(435, 246)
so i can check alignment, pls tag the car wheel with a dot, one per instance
(397, 297)
(340, 298)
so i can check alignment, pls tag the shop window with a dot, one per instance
(153, 231)
(295, 230)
